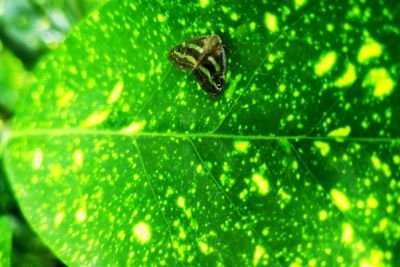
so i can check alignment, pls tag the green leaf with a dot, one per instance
(5, 241)
(117, 158)
(13, 79)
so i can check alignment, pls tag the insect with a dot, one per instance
(205, 57)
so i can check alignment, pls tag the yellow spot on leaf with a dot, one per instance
(95, 16)
(371, 49)
(261, 183)
(134, 127)
(253, 25)
(234, 16)
(383, 224)
(325, 63)
(340, 132)
(241, 146)
(121, 235)
(37, 159)
(141, 77)
(323, 215)
(204, 3)
(258, 254)
(116, 92)
(56, 171)
(299, 3)
(323, 147)
(396, 159)
(203, 247)
(65, 98)
(372, 202)
(80, 215)
(78, 158)
(59, 218)
(142, 232)
(376, 162)
(340, 200)
(199, 168)
(348, 77)
(181, 202)
(381, 82)
(95, 118)
(386, 170)
(271, 22)
(347, 233)
(161, 18)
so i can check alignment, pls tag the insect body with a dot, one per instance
(205, 57)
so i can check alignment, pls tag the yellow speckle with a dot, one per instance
(65, 99)
(203, 247)
(271, 22)
(95, 118)
(161, 18)
(80, 215)
(340, 132)
(371, 49)
(261, 183)
(73, 70)
(134, 127)
(116, 92)
(347, 233)
(204, 3)
(299, 3)
(258, 254)
(312, 262)
(265, 231)
(59, 218)
(78, 157)
(253, 25)
(372, 202)
(133, 7)
(282, 87)
(323, 215)
(348, 77)
(290, 117)
(325, 63)
(91, 83)
(181, 202)
(383, 224)
(241, 146)
(56, 171)
(380, 80)
(323, 147)
(199, 168)
(95, 16)
(234, 16)
(340, 200)
(141, 77)
(121, 235)
(396, 159)
(37, 159)
(142, 232)
(376, 162)
(386, 170)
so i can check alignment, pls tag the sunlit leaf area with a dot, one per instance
(111, 155)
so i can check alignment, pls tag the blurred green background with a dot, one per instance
(29, 29)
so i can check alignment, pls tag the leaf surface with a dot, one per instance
(5, 241)
(118, 158)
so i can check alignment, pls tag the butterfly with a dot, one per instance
(205, 57)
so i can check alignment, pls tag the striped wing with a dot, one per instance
(188, 54)
(205, 56)
(210, 72)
